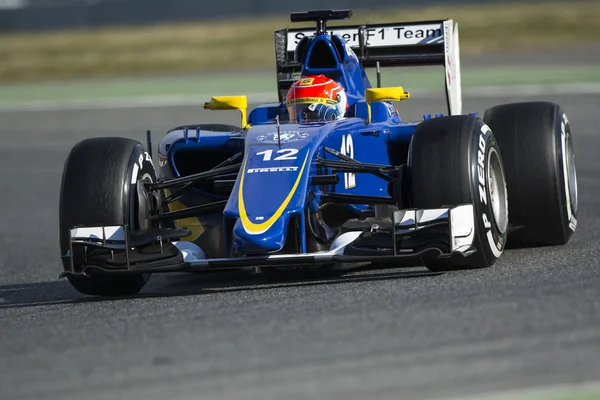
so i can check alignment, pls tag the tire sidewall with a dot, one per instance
(491, 239)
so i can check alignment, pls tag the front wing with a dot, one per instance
(408, 236)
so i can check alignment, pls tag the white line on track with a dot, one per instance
(200, 99)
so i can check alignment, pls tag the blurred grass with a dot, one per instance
(241, 44)
(262, 83)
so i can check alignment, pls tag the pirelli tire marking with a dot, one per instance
(492, 192)
(569, 172)
(140, 166)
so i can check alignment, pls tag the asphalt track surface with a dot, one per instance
(531, 320)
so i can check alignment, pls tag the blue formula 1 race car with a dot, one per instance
(328, 178)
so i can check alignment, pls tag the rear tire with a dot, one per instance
(537, 147)
(97, 190)
(456, 160)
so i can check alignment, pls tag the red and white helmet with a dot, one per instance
(316, 99)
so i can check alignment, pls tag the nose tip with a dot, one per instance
(270, 241)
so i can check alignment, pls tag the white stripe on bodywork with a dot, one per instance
(430, 215)
(462, 224)
(97, 232)
(190, 251)
(340, 243)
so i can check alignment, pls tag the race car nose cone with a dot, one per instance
(270, 241)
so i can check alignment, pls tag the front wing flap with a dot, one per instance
(409, 235)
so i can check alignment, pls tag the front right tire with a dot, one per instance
(456, 160)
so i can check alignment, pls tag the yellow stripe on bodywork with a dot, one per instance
(257, 229)
(192, 224)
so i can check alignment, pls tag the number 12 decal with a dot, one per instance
(286, 154)
(348, 150)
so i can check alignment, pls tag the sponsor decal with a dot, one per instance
(310, 100)
(272, 169)
(259, 228)
(382, 36)
(306, 81)
(284, 137)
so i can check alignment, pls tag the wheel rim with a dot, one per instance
(141, 204)
(497, 191)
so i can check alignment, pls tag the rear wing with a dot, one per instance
(401, 44)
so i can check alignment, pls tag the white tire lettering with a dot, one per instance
(486, 221)
(573, 224)
(136, 168)
(481, 156)
(481, 165)
(134, 174)
(482, 195)
(148, 158)
(497, 253)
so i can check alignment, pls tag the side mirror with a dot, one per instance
(385, 94)
(229, 103)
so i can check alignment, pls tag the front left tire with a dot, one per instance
(101, 186)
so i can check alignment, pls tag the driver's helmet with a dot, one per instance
(316, 99)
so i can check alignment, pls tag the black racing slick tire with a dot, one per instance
(455, 160)
(100, 185)
(537, 148)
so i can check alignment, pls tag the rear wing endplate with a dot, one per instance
(404, 44)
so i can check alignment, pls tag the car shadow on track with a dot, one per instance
(176, 285)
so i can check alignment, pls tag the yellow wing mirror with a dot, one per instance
(229, 103)
(385, 94)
